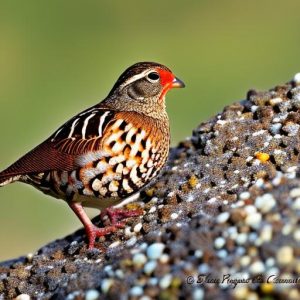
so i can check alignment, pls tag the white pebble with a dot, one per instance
(223, 217)
(114, 244)
(23, 297)
(150, 267)
(266, 233)
(155, 250)
(165, 281)
(152, 209)
(131, 241)
(295, 193)
(106, 284)
(285, 255)
(119, 273)
(241, 238)
(139, 259)
(145, 298)
(287, 229)
(297, 78)
(198, 294)
(164, 258)
(265, 203)
(292, 169)
(245, 260)
(275, 128)
(128, 231)
(250, 209)
(296, 204)
(136, 291)
(222, 253)
(270, 262)
(257, 267)
(296, 235)
(174, 216)
(275, 101)
(260, 132)
(219, 242)
(253, 220)
(92, 295)
(198, 253)
(137, 228)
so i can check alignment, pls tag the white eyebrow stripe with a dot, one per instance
(136, 77)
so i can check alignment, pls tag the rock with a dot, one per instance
(226, 203)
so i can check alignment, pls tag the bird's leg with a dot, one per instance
(91, 230)
(116, 215)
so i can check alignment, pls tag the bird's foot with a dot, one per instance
(116, 215)
(94, 232)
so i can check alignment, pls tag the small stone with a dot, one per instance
(150, 267)
(296, 204)
(139, 259)
(219, 242)
(155, 250)
(137, 228)
(164, 258)
(296, 235)
(241, 238)
(198, 294)
(131, 241)
(266, 233)
(174, 216)
(165, 281)
(136, 291)
(223, 217)
(23, 297)
(265, 203)
(285, 255)
(275, 101)
(297, 78)
(263, 157)
(245, 260)
(92, 295)
(253, 220)
(114, 244)
(106, 284)
(257, 267)
(294, 193)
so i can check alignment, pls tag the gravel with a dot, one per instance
(220, 222)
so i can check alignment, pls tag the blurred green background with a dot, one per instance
(60, 57)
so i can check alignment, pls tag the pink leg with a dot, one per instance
(117, 214)
(91, 230)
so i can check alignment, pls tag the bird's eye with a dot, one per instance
(153, 77)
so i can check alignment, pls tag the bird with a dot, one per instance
(108, 152)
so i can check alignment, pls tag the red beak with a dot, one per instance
(177, 83)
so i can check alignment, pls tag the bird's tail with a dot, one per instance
(8, 178)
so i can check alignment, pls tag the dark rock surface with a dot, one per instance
(224, 211)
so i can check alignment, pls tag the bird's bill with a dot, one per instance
(177, 83)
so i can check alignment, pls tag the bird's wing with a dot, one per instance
(80, 135)
(83, 133)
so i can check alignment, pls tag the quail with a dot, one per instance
(107, 153)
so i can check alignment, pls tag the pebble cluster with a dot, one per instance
(221, 222)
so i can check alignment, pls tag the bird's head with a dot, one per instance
(143, 85)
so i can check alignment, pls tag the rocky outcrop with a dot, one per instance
(221, 221)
